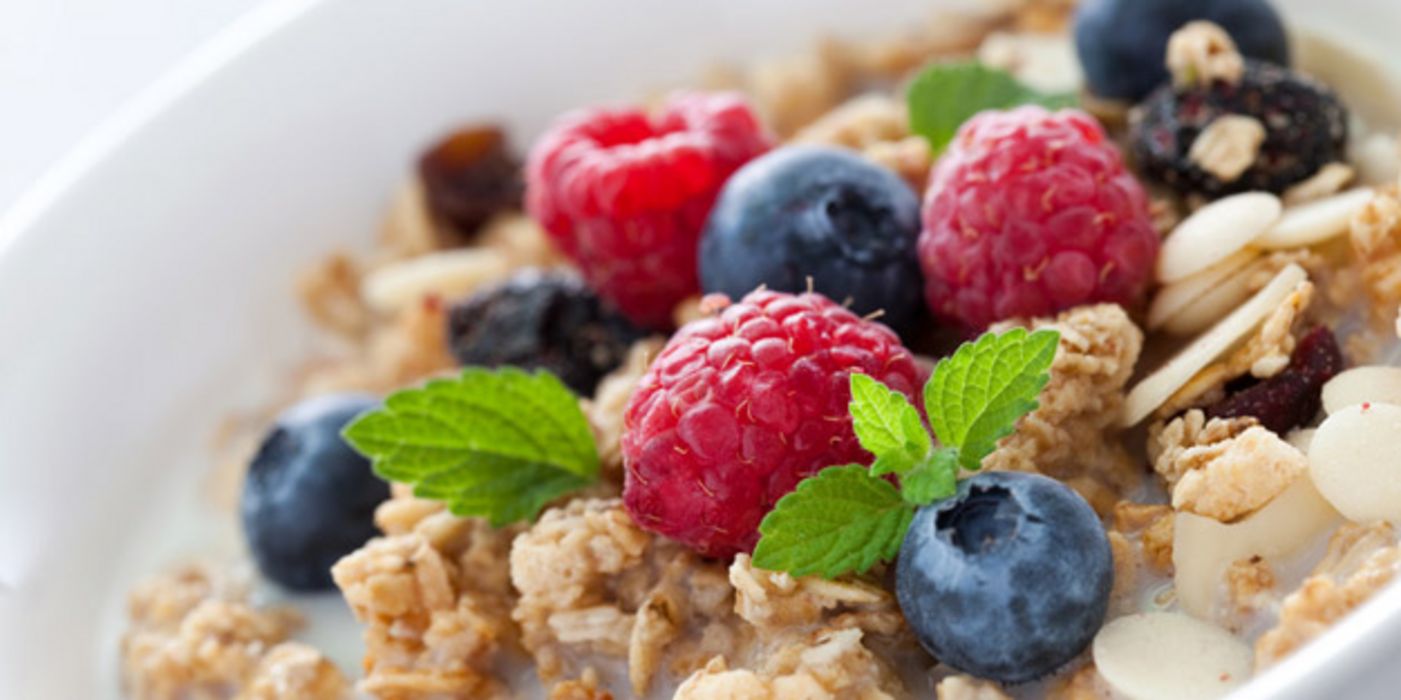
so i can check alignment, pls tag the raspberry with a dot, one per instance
(1292, 398)
(740, 407)
(1029, 213)
(626, 195)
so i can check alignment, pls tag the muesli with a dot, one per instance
(1037, 352)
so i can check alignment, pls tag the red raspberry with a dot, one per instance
(1029, 213)
(625, 196)
(740, 407)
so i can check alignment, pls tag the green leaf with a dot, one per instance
(838, 521)
(933, 479)
(493, 443)
(887, 425)
(946, 95)
(976, 396)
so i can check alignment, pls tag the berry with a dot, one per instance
(546, 320)
(469, 177)
(1305, 129)
(308, 498)
(1121, 43)
(1292, 398)
(625, 195)
(812, 215)
(1007, 580)
(1029, 213)
(740, 407)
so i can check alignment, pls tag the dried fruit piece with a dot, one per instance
(1166, 656)
(1292, 398)
(1316, 222)
(547, 320)
(1360, 385)
(1215, 232)
(1353, 461)
(470, 176)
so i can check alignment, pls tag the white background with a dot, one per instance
(65, 65)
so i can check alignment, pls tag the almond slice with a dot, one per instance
(1216, 303)
(447, 274)
(1168, 656)
(1356, 463)
(1315, 222)
(1214, 232)
(1203, 548)
(1172, 299)
(1158, 387)
(1360, 385)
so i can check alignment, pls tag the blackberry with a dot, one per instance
(1305, 129)
(544, 320)
(468, 177)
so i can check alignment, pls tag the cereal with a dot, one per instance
(1228, 146)
(1161, 385)
(1360, 385)
(1203, 549)
(1353, 460)
(1214, 232)
(1165, 656)
(1315, 222)
(446, 275)
(1225, 469)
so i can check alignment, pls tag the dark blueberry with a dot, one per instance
(1305, 129)
(542, 320)
(468, 177)
(1123, 43)
(1008, 579)
(1292, 398)
(808, 212)
(308, 498)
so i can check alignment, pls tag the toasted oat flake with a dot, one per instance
(1201, 53)
(1224, 468)
(1228, 146)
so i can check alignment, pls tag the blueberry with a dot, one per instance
(1007, 580)
(1123, 43)
(808, 212)
(309, 499)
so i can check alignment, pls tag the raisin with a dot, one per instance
(1292, 398)
(542, 320)
(469, 177)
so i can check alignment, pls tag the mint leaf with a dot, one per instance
(838, 521)
(887, 425)
(976, 396)
(931, 480)
(946, 95)
(493, 443)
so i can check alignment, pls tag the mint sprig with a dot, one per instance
(845, 519)
(946, 95)
(840, 520)
(499, 444)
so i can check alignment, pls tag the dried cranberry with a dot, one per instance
(470, 176)
(1293, 397)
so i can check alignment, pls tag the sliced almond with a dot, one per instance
(1169, 656)
(1216, 231)
(1202, 548)
(1360, 385)
(1158, 387)
(1216, 303)
(448, 274)
(1355, 459)
(1172, 299)
(1315, 222)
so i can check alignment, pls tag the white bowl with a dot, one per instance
(145, 283)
